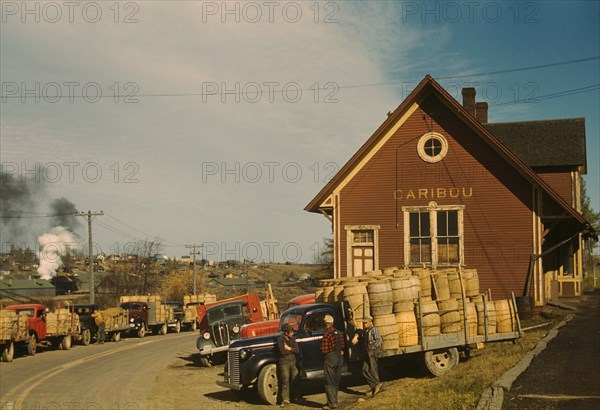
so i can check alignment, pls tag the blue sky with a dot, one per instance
(165, 153)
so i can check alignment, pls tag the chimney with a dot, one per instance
(481, 112)
(468, 95)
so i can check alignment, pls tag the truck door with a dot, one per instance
(40, 323)
(309, 340)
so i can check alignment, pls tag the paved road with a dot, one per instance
(157, 372)
(566, 375)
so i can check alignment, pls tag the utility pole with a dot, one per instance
(194, 253)
(89, 215)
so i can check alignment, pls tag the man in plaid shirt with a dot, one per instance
(332, 347)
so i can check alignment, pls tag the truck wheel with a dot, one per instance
(65, 343)
(439, 362)
(178, 327)
(205, 361)
(194, 326)
(116, 337)
(163, 329)
(9, 352)
(86, 337)
(142, 332)
(31, 345)
(267, 384)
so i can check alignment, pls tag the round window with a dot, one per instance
(432, 147)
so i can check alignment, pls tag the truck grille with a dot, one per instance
(233, 366)
(220, 333)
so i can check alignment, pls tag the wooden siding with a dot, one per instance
(560, 180)
(497, 199)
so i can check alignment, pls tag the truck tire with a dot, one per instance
(164, 329)
(116, 337)
(142, 332)
(86, 337)
(65, 343)
(9, 352)
(439, 362)
(267, 384)
(31, 345)
(178, 327)
(205, 361)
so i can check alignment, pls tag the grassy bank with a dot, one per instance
(462, 387)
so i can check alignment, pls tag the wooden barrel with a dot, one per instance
(449, 316)
(379, 291)
(404, 307)
(477, 298)
(381, 307)
(431, 318)
(505, 317)
(471, 282)
(186, 300)
(319, 294)
(327, 294)
(454, 284)
(376, 272)
(403, 273)
(491, 311)
(390, 271)
(440, 279)
(337, 293)
(124, 299)
(407, 328)
(388, 328)
(425, 281)
(471, 319)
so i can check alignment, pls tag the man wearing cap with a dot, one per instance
(370, 343)
(332, 348)
(288, 372)
(99, 321)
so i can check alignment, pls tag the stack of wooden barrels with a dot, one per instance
(391, 295)
(203, 298)
(61, 322)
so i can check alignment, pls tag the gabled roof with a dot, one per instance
(429, 87)
(544, 143)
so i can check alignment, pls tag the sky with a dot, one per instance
(215, 123)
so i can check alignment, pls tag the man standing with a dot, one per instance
(332, 348)
(288, 372)
(371, 342)
(99, 321)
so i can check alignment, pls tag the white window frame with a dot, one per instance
(433, 209)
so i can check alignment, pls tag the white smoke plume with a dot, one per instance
(53, 246)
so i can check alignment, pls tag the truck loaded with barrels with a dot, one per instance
(146, 313)
(433, 313)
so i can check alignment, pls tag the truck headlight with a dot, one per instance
(245, 353)
(206, 335)
(236, 329)
(131, 320)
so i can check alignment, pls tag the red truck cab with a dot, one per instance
(36, 318)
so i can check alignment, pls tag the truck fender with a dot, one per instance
(202, 343)
(252, 369)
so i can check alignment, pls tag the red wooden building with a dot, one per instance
(436, 185)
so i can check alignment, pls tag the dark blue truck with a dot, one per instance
(252, 363)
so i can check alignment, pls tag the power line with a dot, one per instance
(558, 94)
(142, 232)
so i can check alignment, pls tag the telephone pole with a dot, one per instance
(193, 252)
(89, 215)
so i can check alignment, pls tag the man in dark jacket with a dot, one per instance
(288, 372)
(332, 348)
(370, 342)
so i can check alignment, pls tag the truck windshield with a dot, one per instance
(291, 318)
(28, 312)
(222, 313)
(132, 306)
